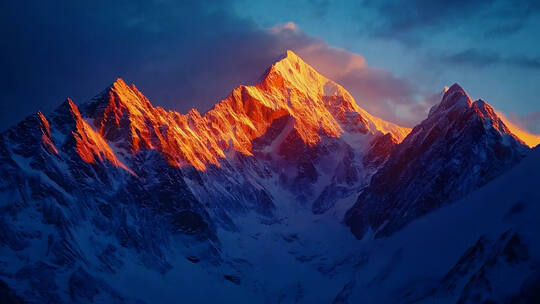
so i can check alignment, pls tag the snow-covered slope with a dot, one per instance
(118, 201)
(482, 249)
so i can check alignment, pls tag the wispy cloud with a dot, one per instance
(478, 58)
(181, 54)
(411, 22)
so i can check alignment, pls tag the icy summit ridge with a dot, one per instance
(123, 117)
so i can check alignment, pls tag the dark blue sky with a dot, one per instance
(395, 57)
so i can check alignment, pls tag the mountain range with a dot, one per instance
(286, 191)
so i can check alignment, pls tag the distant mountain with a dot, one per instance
(461, 146)
(117, 201)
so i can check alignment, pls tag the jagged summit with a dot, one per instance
(454, 96)
(119, 85)
(455, 102)
(455, 88)
(122, 95)
(118, 81)
(126, 122)
(287, 55)
(461, 146)
(317, 107)
(297, 72)
(290, 56)
(293, 70)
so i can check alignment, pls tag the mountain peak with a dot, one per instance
(126, 92)
(460, 147)
(121, 87)
(455, 88)
(68, 108)
(457, 106)
(118, 97)
(454, 97)
(288, 55)
(292, 69)
(291, 59)
(119, 82)
(291, 55)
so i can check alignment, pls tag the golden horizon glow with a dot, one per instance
(529, 138)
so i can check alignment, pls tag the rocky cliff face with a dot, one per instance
(460, 147)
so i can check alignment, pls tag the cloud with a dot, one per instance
(472, 57)
(503, 29)
(181, 54)
(479, 59)
(523, 61)
(411, 22)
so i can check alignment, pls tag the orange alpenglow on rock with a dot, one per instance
(314, 106)
(123, 117)
(46, 134)
(89, 144)
(317, 106)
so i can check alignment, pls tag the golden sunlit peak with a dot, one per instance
(446, 88)
(291, 87)
(290, 53)
(119, 80)
(288, 56)
(119, 83)
(293, 68)
(72, 106)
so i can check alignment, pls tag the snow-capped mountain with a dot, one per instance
(118, 201)
(291, 90)
(461, 146)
